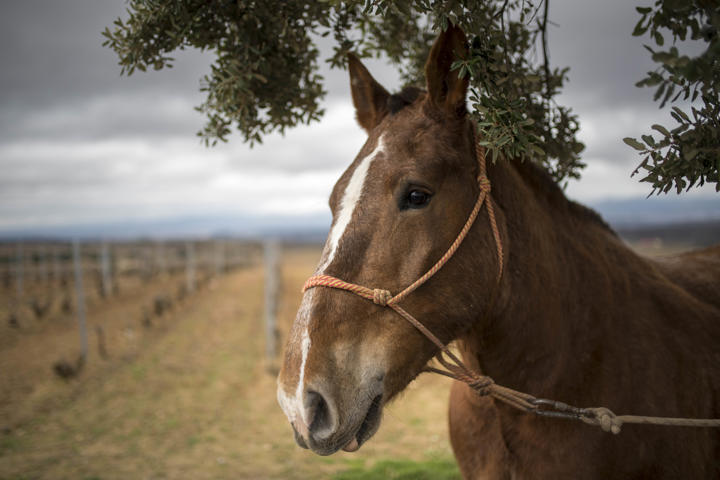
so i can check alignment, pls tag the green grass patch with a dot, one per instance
(417, 422)
(434, 469)
(138, 372)
(9, 443)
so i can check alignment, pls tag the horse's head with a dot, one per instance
(396, 210)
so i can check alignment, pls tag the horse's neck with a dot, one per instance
(559, 275)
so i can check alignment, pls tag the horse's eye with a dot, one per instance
(417, 198)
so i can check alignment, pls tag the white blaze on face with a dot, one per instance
(294, 405)
(353, 192)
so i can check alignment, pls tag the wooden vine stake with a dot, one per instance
(271, 250)
(190, 267)
(19, 273)
(80, 299)
(105, 270)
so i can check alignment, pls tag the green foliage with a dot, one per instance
(434, 469)
(265, 74)
(512, 96)
(688, 154)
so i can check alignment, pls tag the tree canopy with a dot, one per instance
(265, 78)
(689, 153)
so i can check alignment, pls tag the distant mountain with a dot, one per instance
(308, 228)
(658, 210)
(689, 234)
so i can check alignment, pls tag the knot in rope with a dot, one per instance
(484, 183)
(482, 385)
(381, 297)
(604, 418)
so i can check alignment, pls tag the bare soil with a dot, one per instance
(188, 398)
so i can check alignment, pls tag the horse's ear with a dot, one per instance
(369, 97)
(446, 90)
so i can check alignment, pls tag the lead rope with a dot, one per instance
(456, 369)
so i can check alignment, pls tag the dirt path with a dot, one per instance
(27, 354)
(198, 404)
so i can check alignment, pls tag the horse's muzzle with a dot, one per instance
(329, 430)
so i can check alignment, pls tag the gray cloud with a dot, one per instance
(53, 55)
(594, 39)
(140, 115)
(80, 142)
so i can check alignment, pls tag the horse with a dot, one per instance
(576, 316)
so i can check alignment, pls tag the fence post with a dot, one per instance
(272, 284)
(19, 272)
(190, 266)
(105, 269)
(160, 257)
(80, 294)
(219, 257)
(56, 264)
(43, 265)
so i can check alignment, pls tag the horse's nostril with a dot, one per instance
(319, 418)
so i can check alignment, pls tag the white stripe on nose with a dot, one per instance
(353, 192)
(294, 405)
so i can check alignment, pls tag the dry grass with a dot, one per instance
(27, 383)
(194, 402)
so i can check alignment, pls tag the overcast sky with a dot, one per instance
(81, 144)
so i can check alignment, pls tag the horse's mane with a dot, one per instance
(543, 184)
(405, 97)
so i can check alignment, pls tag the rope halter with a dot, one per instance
(381, 297)
(455, 368)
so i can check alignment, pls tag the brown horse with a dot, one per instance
(577, 317)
